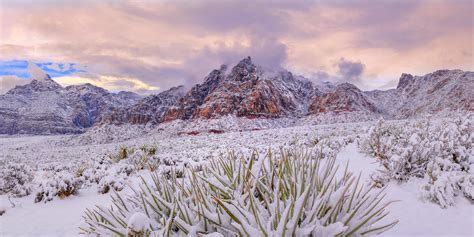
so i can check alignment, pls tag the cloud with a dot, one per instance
(9, 82)
(350, 71)
(36, 72)
(166, 43)
(111, 83)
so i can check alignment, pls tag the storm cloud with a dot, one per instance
(159, 44)
(350, 71)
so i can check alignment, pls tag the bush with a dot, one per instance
(62, 185)
(16, 179)
(294, 193)
(440, 151)
(114, 178)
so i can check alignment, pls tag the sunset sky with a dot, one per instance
(145, 46)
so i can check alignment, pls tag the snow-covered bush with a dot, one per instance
(62, 184)
(110, 183)
(141, 158)
(123, 153)
(442, 152)
(15, 179)
(447, 185)
(294, 193)
(114, 178)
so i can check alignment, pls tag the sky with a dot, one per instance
(148, 46)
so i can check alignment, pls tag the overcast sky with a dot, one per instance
(145, 46)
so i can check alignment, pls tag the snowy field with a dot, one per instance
(91, 170)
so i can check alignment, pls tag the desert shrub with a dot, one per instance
(441, 152)
(62, 184)
(15, 179)
(122, 153)
(80, 169)
(153, 163)
(447, 185)
(149, 149)
(141, 158)
(114, 178)
(110, 183)
(293, 193)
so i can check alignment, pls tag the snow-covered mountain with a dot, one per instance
(345, 98)
(147, 110)
(440, 91)
(45, 107)
(246, 90)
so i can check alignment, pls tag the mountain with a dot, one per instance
(147, 110)
(442, 90)
(345, 98)
(246, 90)
(45, 107)
(252, 92)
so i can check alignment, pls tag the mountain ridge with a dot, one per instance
(246, 90)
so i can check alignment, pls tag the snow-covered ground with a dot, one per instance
(62, 217)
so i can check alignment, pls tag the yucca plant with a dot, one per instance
(294, 193)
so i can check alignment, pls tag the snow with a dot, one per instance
(62, 217)
(138, 222)
(419, 217)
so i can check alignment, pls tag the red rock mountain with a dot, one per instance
(247, 91)
(345, 98)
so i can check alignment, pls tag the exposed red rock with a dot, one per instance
(346, 98)
(244, 92)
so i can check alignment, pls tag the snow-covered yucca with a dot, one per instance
(295, 193)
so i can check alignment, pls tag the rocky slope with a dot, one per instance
(45, 107)
(147, 110)
(345, 98)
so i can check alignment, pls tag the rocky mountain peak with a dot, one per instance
(87, 89)
(347, 87)
(37, 85)
(245, 70)
(405, 79)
